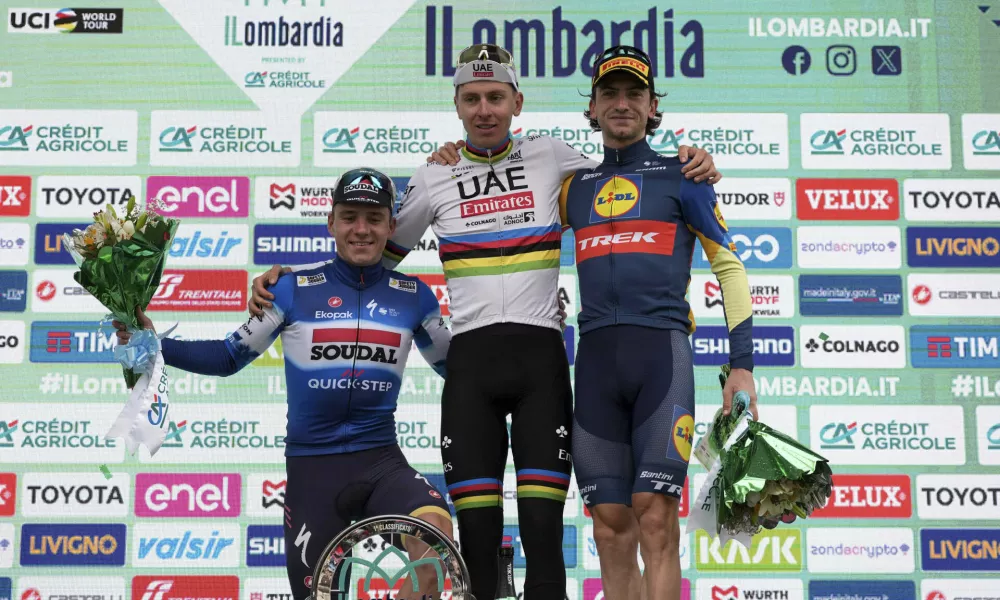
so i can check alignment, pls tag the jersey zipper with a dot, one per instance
(354, 365)
(503, 288)
(611, 224)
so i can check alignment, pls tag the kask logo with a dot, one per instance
(341, 139)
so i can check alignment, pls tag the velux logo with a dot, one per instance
(868, 497)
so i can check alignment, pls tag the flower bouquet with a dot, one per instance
(120, 260)
(758, 477)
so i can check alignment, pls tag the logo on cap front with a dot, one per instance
(624, 62)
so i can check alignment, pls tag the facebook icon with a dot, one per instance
(796, 60)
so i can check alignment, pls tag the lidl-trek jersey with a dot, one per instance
(346, 333)
(497, 223)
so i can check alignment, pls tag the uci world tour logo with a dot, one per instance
(838, 436)
(665, 140)
(15, 137)
(986, 143)
(340, 139)
(827, 142)
(177, 139)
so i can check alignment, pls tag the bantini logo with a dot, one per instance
(177, 139)
(837, 436)
(828, 141)
(986, 143)
(340, 139)
(665, 139)
(15, 137)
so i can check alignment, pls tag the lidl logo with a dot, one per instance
(341, 139)
(617, 197)
(770, 550)
(682, 435)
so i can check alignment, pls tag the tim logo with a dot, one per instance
(827, 142)
(273, 493)
(177, 139)
(340, 139)
(15, 137)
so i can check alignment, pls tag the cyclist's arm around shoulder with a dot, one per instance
(256, 335)
(431, 335)
(703, 216)
(414, 216)
(568, 159)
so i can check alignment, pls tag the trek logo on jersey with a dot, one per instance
(201, 290)
(959, 549)
(847, 199)
(618, 197)
(209, 245)
(71, 341)
(850, 295)
(976, 247)
(15, 196)
(183, 587)
(73, 545)
(292, 244)
(351, 343)
(868, 497)
(852, 589)
(265, 546)
(773, 346)
(770, 550)
(954, 346)
(439, 286)
(647, 237)
(981, 142)
(757, 247)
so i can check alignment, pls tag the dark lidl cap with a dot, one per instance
(627, 59)
(365, 186)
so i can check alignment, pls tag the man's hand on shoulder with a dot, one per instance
(698, 165)
(260, 298)
(447, 154)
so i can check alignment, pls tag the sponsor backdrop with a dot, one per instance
(861, 148)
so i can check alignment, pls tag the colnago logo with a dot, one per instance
(868, 497)
(384, 139)
(777, 550)
(954, 295)
(960, 549)
(68, 544)
(748, 589)
(981, 141)
(182, 587)
(200, 290)
(498, 204)
(210, 245)
(850, 295)
(185, 545)
(755, 199)
(75, 495)
(773, 346)
(75, 138)
(682, 55)
(847, 199)
(965, 497)
(648, 237)
(953, 246)
(292, 244)
(79, 197)
(856, 248)
(967, 200)
(741, 141)
(933, 346)
(833, 346)
(222, 139)
(14, 244)
(15, 196)
(439, 286)
(353, 344)
(875, 141)
(757, 247)
(284, 197)
(200, 196)
(860, 550)
(888, 435)
(187, 495)
(772, 296)
(65, 20)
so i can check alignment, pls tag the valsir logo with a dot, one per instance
(189, 546)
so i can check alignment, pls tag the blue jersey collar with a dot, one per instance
(355, 276)
(620, 156)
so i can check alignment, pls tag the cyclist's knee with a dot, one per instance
(658, 520)
(615, 528)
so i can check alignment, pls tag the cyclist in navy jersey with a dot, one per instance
(346, 328)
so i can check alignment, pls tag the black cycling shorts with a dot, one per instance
(493, 371)
(326, 493)
(634, 416)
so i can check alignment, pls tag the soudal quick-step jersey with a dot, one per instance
(497, 223)
(635, 219)
(346, 333)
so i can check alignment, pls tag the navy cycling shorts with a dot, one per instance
(634, 417)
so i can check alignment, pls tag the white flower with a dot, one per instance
(129, 228)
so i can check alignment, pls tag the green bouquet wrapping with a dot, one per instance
(758, 477)
(121, 260)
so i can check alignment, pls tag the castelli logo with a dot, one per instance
(921, 294)
(335, 301)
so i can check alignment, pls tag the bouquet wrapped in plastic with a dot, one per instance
(121, 260)
(758, 477)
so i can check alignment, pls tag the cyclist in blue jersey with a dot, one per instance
(635, 219)
(346, 328)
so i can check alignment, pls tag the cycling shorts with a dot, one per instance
(325, 493)
(634, 416)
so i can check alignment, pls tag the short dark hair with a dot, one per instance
(652, 123)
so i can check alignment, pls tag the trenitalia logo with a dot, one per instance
(868, 497)
(64, 544)
(183, 587)
(847, 199)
